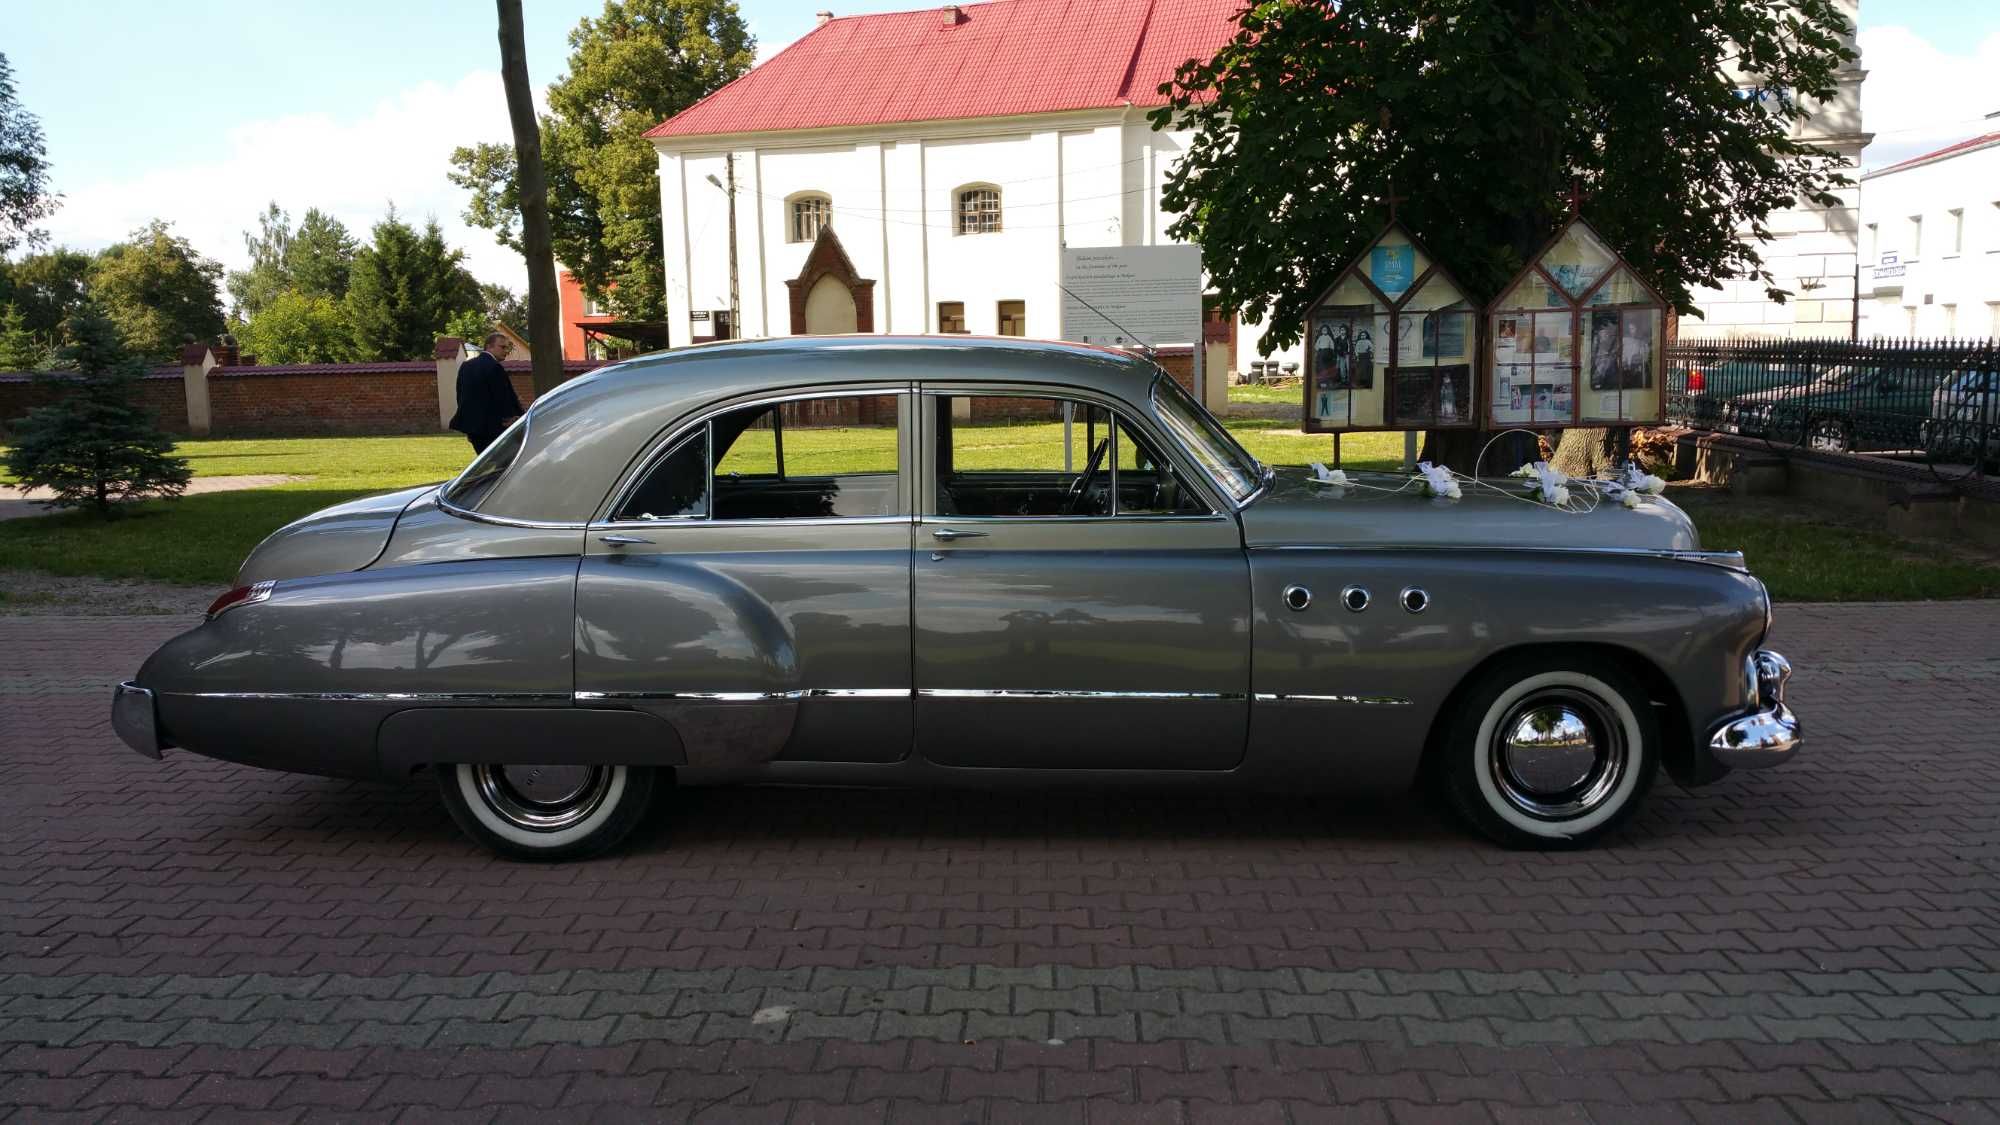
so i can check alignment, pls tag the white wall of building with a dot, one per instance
(1930, 246)
(1090, 178)
(1813, 249)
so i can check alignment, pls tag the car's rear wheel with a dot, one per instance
(1550, 751)
(547, 813)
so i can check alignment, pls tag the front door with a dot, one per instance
(752, 585)
(1079, 604)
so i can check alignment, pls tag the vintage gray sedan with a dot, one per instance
(951, 561)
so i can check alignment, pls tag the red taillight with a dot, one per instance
(1697, 382)
(241, 595)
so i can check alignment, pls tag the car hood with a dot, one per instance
(344, 537)
(1294, 512)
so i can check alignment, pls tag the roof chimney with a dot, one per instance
(823, 17)
(953, 15)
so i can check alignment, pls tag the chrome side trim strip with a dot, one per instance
(692, 696)
(388, 696)
(1051, 693)
(1731, 559)
(859, 693)
(1365, 700)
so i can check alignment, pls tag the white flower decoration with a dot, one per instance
(1628, 498)
(1323, 475)
(1653, 485)
(1439, 481)
(1560, 496)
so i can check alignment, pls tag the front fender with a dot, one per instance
(1372, 682)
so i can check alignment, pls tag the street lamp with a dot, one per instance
(735, 296)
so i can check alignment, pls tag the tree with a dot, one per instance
(320, 256)
(640, 63)
(158, 290)
(405, 287)
(25, 197)
(296, 327)
(315, 259)
(268, 274)
(1482, 118)
(95, 447)
(47, 288)
(544, 315)
(19, 351)
(504, 306)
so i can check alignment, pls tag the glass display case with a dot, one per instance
(1391, 344)
(1575, 339)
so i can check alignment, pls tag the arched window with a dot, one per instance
(978, 209)
(809, 212)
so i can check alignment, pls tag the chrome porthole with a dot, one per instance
(1415, 599)
(1558, 754)
(542, 798)
(1297, 598)
(1355, 598)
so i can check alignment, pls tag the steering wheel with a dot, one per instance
(1081, 488)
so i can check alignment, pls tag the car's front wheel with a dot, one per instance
(547, 813)
(1550, 751)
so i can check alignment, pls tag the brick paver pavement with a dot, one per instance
(194, 940)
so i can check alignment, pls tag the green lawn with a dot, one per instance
(1806, 554)
(202, 539)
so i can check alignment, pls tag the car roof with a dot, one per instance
(582, 435)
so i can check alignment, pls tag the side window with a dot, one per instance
(1021, 455)
(478, 479)
(676, 487)
(816, 458)
(1148, 484)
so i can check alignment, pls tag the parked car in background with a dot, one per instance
(928, 561)
(1843, 409)
(1964, 422)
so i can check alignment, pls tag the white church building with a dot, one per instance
(954, 152)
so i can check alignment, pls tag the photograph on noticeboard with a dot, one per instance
(1621, 351)
(1343, 346)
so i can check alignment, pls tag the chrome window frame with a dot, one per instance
(1265, 473)
(660, 447)
(1118, 408)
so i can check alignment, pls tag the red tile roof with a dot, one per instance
(1948, 150)
(1000, 58)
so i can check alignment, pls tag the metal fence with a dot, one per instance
(1930, 401)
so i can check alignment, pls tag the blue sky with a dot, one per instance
(200, 111)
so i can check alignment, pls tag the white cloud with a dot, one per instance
(1918, 97)
(397, 150)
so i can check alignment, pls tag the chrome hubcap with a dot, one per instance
(543, 798)
(1558, 754)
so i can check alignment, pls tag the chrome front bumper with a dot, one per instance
(1768, 735)
(133, 717)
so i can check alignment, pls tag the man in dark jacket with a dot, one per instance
(486, 399)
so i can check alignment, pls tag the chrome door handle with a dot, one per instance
(948, 534)
(622, 540)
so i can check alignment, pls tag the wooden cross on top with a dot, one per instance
(1393, 199)
(1575, 196)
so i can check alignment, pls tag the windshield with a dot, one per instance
(486, 470)
(1228, 462)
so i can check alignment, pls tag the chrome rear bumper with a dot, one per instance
(1768, 735)
(133, 717)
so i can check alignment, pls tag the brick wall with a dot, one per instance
(161, 392)
(298, 400)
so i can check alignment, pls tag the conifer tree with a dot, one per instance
(95, 447)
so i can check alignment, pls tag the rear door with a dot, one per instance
(751, 584)
(1080, 602)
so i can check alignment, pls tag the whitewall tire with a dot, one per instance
(547, 813)
(1551, 750)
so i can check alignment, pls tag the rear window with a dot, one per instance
(478, 479)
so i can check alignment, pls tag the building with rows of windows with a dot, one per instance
(921, 171)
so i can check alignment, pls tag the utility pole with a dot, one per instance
(735, 295)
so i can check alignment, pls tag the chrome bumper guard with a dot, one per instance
(133, 717)
(1768, 735)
